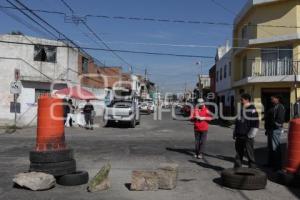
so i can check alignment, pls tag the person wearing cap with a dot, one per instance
(200, 116)
(246, 128)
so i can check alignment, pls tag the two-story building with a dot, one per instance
(38, 62)
(225, 95)
(266, 41)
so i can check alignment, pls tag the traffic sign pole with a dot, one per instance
(15, 106)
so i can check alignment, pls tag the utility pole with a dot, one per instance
(185, 96)
(146, 74)
(199, 80)
(131, 69)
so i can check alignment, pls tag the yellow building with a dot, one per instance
(266, 41)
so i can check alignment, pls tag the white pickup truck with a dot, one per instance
(122, 110)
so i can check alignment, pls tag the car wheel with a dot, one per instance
(244, 179)
(105, 122)
(76, 178)
(51, 156)
(133, 123)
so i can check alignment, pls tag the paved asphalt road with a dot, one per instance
(144, 147)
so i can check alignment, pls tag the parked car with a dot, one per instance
(151, 106)
(144, 107)
(123, 108)
(122, 111)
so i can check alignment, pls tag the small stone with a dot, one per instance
(144, 181)
(101, 181)
(35, 180)
(167, 174)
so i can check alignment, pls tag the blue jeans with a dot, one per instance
(274, 148)
(200, 142)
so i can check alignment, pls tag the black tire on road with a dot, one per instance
(133, 123)
(244, 179)
(56, 169)
(73, 179)
(51, 156)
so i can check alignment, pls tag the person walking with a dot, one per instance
(200, 117)
(274, 119)
(88, 110)
(246, 128)
(70, 112)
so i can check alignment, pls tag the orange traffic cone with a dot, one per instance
(293, 151)
(50, 124)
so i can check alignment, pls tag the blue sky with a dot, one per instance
(170, 73)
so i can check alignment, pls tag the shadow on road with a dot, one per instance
(121, 125)
(128, 186)
(186, 151)
(207, 165)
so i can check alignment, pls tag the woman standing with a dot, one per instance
(200, 117)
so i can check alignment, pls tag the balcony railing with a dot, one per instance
(273, 68)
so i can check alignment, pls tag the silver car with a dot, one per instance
(122, 111)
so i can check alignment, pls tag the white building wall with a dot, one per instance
(21, 56)
(225, 83)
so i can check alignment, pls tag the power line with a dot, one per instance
(223, 7)
(35, 10)
(122, 51)
(104, 43)
(190, 45)
(32, 19)
(22, 21)
(134, 52)
(99, 38)
(45, 22)
(177, 21)
(235, 14)
(67, 5)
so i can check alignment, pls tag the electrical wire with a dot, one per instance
(223, 7)
(177, 21)
(133, 52)
(99, 38)
(67, 5)
(45, 22)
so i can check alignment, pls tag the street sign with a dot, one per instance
(16, 87)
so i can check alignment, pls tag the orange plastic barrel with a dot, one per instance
(50, 124)
(293, 151)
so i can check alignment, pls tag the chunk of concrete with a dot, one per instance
(101, 181)
(167, 174)
(35, 180)
(144, 181)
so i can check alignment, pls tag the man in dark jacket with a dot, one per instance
(246, 128)
(87, 110)
(274, 120)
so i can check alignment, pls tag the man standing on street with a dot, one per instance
(246, 128)
(87, 111)
(200, 117)
(274, 120)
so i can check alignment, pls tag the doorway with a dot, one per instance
(285, 93)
